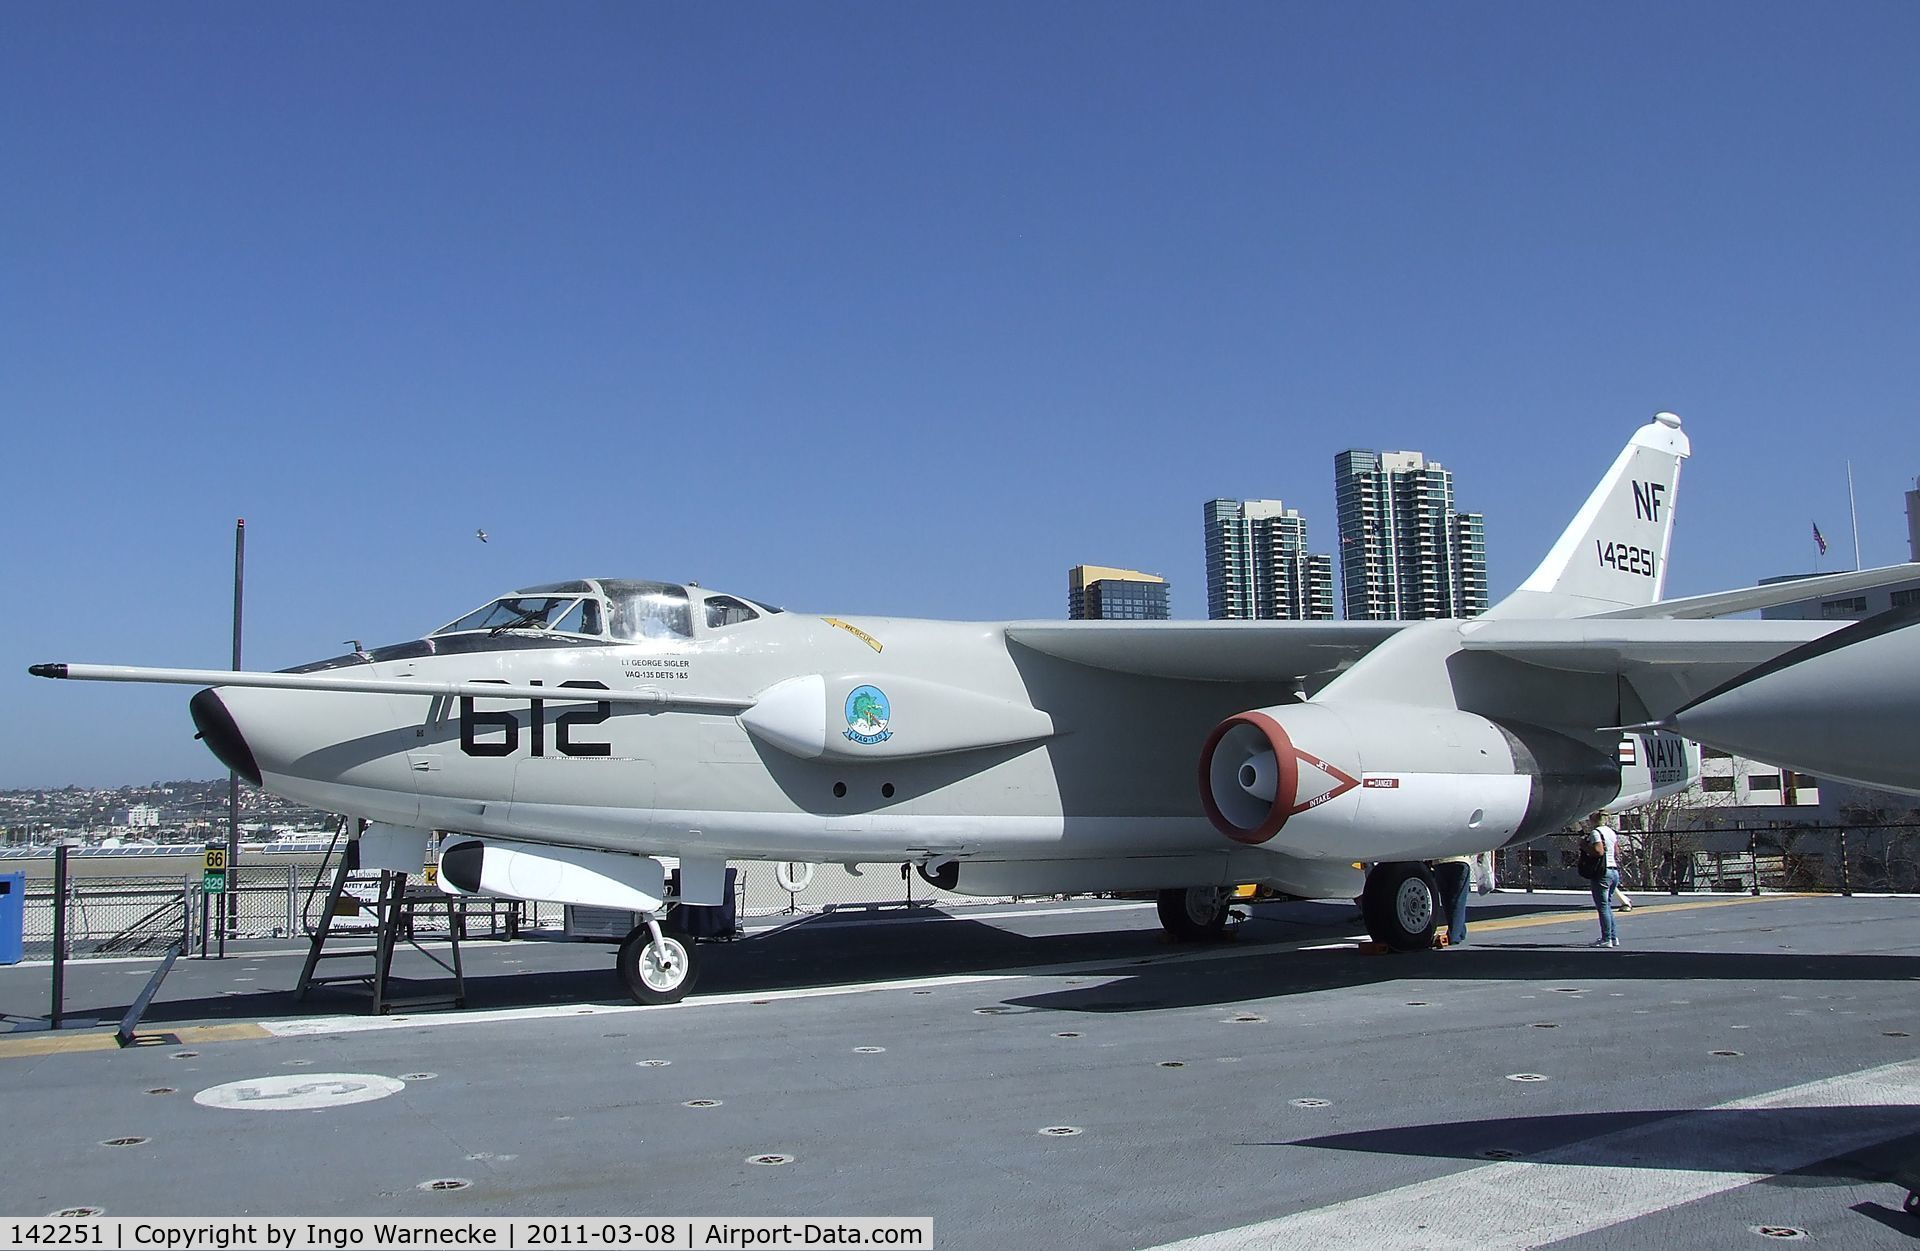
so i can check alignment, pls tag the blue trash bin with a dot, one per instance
(13, 915)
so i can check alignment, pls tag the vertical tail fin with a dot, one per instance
(1614, 555)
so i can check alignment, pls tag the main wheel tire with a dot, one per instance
(651, 979)
(1401, 903)
(1194, 914)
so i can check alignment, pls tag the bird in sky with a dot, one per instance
(481, 535)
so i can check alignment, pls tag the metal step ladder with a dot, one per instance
(395, 908)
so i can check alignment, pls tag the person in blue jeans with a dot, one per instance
(1454, 875)
(1608, 882)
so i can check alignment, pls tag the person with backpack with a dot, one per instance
(1600, 865)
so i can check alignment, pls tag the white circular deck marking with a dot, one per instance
(299, 1092)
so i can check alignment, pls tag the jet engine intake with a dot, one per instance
(1393, 782)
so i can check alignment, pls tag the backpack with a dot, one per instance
(1592, 864)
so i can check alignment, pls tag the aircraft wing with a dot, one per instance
(1750, 598)
(1610, 645)
(1207, 651)
(1667, 663)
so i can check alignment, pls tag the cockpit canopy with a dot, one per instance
(608, 608)
(585, 613)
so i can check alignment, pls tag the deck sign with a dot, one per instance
(213, 878)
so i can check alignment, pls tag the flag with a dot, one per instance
(1819, 539)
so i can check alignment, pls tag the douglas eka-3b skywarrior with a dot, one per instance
(575, 733)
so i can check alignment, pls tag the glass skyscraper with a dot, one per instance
(1405, 554)
(1097, 593)
(1258, 566)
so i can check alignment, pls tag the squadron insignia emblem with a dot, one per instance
(867, 715)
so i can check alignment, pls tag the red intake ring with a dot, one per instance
(1287, 760)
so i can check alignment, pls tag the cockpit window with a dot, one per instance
(647, 610)
(582, 618)
(725, 610)
(521, 612)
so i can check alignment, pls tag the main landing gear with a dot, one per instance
(1400, 905)
(1195, 914)
(657, 967)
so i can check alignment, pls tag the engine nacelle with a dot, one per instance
(1394, 782)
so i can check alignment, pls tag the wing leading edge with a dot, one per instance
(1207, 651)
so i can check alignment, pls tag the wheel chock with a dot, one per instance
(1375, 949)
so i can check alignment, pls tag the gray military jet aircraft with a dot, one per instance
(577, 732)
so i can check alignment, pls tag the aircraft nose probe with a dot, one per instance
(211, 718)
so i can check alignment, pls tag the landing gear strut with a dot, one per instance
(1194, 914)
(657, 967)
(1399, 904)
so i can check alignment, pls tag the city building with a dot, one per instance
(1848, 607)
(1097, 593)
(1405, 554)
(1730, 780)
(1258, 566)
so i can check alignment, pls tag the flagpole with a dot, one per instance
(1855, 514)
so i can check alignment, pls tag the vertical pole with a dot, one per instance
(1526, 864)
(1855, 514)
(1753, 856)
(1846, 878)
(59, 934)
(231, 903)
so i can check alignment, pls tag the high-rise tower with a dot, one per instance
(1258, 566)
(1405, 554)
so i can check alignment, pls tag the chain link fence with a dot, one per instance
(127, 913)
(1880, 858)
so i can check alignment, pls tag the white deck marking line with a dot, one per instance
(1117, 967)
(1581, 1188)
(980, 912)
(855, 918)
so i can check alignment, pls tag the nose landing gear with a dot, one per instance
(656, 967)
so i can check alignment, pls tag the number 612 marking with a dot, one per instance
(474, 723)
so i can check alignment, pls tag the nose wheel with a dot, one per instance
(656, 967)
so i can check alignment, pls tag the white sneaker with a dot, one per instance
(1599, 942)
(1613, 942)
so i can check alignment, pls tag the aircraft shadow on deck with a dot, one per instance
(1200, 984)
(1137, 975)
(1716, 1139)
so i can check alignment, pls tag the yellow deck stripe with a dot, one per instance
(46, 1043)
(1588, 913)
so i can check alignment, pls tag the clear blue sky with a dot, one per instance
(885, 308)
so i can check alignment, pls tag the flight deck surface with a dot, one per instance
(1041, 1075)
